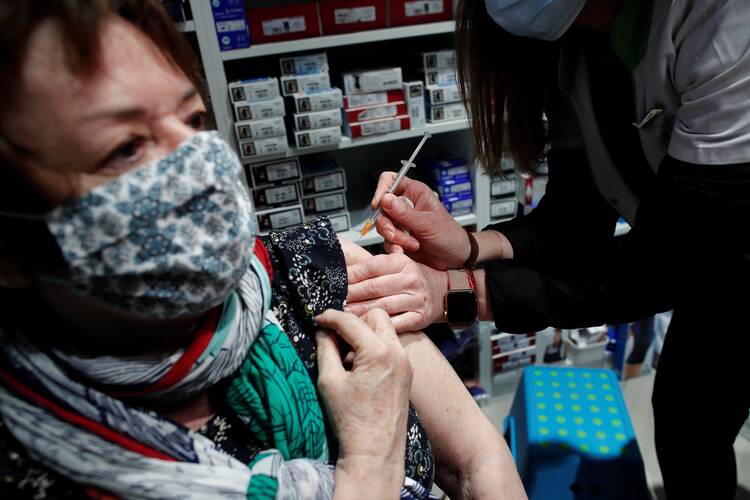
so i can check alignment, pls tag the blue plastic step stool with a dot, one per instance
(571, 436)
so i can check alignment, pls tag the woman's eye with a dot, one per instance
(198, 120)
(125, 155)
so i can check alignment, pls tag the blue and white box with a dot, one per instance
(231, 24)
(318, 100)
(459, 204)
(449, 168)
(254, 89)
(451, 186)
(304, 65)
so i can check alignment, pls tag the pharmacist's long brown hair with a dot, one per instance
(502, 75)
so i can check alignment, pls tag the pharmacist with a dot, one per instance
(649, 119)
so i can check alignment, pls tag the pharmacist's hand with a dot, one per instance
(411, 293)
(353, 253)
(435, 238)
(368, 404)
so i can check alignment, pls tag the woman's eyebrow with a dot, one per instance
(129, 113)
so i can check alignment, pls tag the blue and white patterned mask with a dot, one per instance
(171, 238)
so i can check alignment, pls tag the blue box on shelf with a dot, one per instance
(448, 168)
(231, 24)
(453, 186)
(460, 204)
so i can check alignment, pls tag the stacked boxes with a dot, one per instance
(317, 118)
(510, 352)
(505, 192)
(451, 179)
(259, 118)
(277, 193)
(323, 189)
(442, 94)
(374, 102)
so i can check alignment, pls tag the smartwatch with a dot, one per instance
(461, 299)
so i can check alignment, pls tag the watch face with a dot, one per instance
(461, 306)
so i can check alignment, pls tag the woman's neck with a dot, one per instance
(97, 329)
(193, 413)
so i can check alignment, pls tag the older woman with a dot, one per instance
(150, 346)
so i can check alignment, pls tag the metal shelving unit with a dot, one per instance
(214, 66)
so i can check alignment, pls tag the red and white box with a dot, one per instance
(404, 12)
(375, 127)
(373, 98)
(285, 22)
(376, 112)
(348, 16)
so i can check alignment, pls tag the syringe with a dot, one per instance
(405, 166)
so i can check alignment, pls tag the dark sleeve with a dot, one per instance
(571, 222)
(309, 276)
(690, 243)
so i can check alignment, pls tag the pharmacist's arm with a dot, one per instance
(690, 239)
(571, 222)
(472, 459)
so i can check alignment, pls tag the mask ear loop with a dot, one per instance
(39, 218)
(22, 216)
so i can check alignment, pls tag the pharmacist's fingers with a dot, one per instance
(384, 184)
(409, 321)
(395, 236)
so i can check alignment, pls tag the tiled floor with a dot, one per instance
(637, 394)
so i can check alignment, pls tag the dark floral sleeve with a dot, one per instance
(309, 277)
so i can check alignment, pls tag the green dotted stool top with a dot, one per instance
(577, 408)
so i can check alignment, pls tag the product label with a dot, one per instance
(339, 222)
(227, 26)
(423, 8)
(499, 188)
(447, 94)
(281, 194)
(503, 209)
(358, 101)
(355, 15)
(380, 81)
(269, 130)
(457, 188)
(330, 202)
(282, 171)
(329, 182)
(269, 146)
(284, 25)
(304, 65)
(441, 77)
(285, 219)
(377, 112)
(380, 127)
(326, 139)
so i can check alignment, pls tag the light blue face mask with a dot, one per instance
(170, 238)
(541, 19)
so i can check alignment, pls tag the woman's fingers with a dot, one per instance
(352, 329)
(329, 356)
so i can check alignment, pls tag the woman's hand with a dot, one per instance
(411, 293)
(435, 238)
(367, 405)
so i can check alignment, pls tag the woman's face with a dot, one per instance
(84, 131)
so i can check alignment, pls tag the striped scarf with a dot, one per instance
(76, 414)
